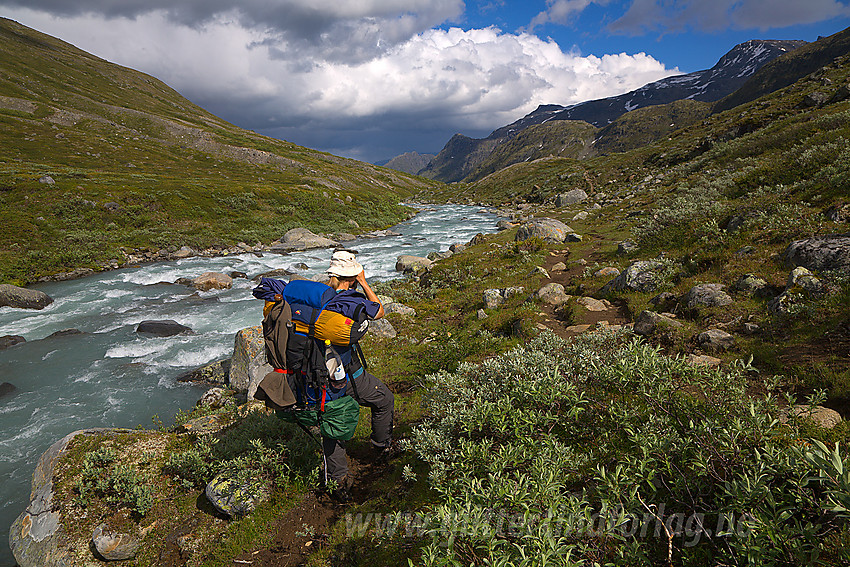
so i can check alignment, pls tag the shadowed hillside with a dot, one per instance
(97, 161)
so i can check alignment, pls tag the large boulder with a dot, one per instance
(406, 262)
(570, 198)
(38, 537)
(248, 366)
(23, 298)
(820, 253)
(706, 295)
(823, 416)
(550, 230)
(302, 239)
(553, 294)
(212, 280)
(643, 275)
(163, 328)
(7, 389)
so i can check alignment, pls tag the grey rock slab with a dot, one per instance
(114, 546)
(820, 253)
(648, 321)
(23, 298)
(248, 365)
(407, 262)
(212, 280)
(382, 328)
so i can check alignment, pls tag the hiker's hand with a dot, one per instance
(361, 277)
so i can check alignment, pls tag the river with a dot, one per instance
(108, 376)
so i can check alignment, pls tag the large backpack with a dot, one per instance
(302, 387)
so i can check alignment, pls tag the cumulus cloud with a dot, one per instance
(344, 30)
(678, 15)
(427, 87)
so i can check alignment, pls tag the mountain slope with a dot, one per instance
(455, 162)
(410, 162)
(132, 165)
(786, 70)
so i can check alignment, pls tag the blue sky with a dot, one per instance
(371, 79)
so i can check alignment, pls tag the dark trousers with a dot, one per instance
(374, 394)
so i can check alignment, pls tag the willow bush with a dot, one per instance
(603, 451)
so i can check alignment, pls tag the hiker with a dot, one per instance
(346, 274)
(319, 379)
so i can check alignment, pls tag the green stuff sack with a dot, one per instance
(339, 419)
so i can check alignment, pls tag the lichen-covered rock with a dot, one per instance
(784, 303)
(212, 280)
(406, 262)
(493, 298)
(559, 267)
(643, 275)
(215, 398)
(216, 372)
(233, 499)
(750, 283)
(114, 546)
(626, 247)
(820, 253)
(23, 298)
(707, 295)
(550, 230)
(807, 281)
(248, 366)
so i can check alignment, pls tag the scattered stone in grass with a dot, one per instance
(481, 314)
(647, 322)
(559, 267)
(716, 340)
(577, 328)
(750, 283)
(702, 360)
(553, 294)
(607, 271)
(592, 304)
(707, 295)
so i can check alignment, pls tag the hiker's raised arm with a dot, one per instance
(371, 295)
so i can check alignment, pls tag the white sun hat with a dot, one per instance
(344, 265)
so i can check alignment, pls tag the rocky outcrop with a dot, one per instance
(38, 537)
(163, 328)
(550, 230)
(7, 341)
(23, 298)
(248, 365)
(643, 275)
(212, 280)
(302, 239)
(706, 295)
(820, 253)
(216, 372)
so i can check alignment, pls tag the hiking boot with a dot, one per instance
(388, 452)
(342, 492)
